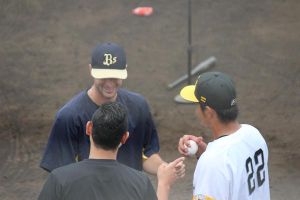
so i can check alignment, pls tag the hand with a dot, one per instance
(183, 145)
(167, 174)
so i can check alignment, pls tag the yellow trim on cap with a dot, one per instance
(203, 99)
(187, 93)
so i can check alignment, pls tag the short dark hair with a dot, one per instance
(109, 125)
(225, 115)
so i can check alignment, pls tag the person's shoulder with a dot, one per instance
(131, 95)
(250, 131)
(249, 127)
(254, 134)
(74, 104)
(69, 168)
(130, 170)
(217, 151)
(76, 100)
(214, 155)
(69, 172)
(132, 99)
(140, 175)
(138, 180)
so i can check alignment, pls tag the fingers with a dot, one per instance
(199, 140)
(183, 143)
(169, 173)
(201, 146)
(179, 167)
(177, 162)
(180, 170)
(180, 174)
(182, 146)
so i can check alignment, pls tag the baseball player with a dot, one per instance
(101, 176)
(68, 141)
(234, 165)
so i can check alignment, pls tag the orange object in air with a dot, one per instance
(143, 11)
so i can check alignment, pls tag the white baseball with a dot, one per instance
(193, 148)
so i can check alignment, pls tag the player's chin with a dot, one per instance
(110, 94)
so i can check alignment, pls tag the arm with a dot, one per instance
(151, 146)
(62, 144)
(167, 175)
(163, 191)
(152, 163)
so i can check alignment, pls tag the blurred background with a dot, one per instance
(45, 49)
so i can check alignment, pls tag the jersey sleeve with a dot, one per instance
(62, 144)
(211, 180)
(151, 142)
(52, 189)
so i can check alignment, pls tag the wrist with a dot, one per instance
(163, 185)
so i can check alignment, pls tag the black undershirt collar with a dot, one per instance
(221, 136)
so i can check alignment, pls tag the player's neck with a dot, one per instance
(97, 153)
(97, 98)
(221, 129)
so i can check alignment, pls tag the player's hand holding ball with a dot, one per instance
(192, 148)
(190, 145)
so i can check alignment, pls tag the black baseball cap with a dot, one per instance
(214, 89)
(109, 61)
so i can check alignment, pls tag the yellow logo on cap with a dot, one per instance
(203, 99)
(109, 59)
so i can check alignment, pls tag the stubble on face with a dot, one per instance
(107, 88)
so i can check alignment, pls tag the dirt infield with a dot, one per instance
(44, 56)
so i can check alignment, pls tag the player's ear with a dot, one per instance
(125, 137)
(210, 112)
(89, 128)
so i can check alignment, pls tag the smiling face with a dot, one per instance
(107, 88)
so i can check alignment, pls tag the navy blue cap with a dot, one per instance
(109, 61)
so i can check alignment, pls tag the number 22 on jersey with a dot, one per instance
(255, 170)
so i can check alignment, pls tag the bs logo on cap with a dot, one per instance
(109, 61)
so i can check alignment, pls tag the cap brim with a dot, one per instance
(109, 73)
(187, 93)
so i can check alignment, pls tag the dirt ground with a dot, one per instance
(45, 49)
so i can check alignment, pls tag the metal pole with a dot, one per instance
(189, 48)
(203, 66)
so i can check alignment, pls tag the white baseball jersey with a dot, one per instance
(234, 167)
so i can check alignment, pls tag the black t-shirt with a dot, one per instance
(95, 179)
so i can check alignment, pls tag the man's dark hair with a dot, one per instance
(109, 125)
(225, 115)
